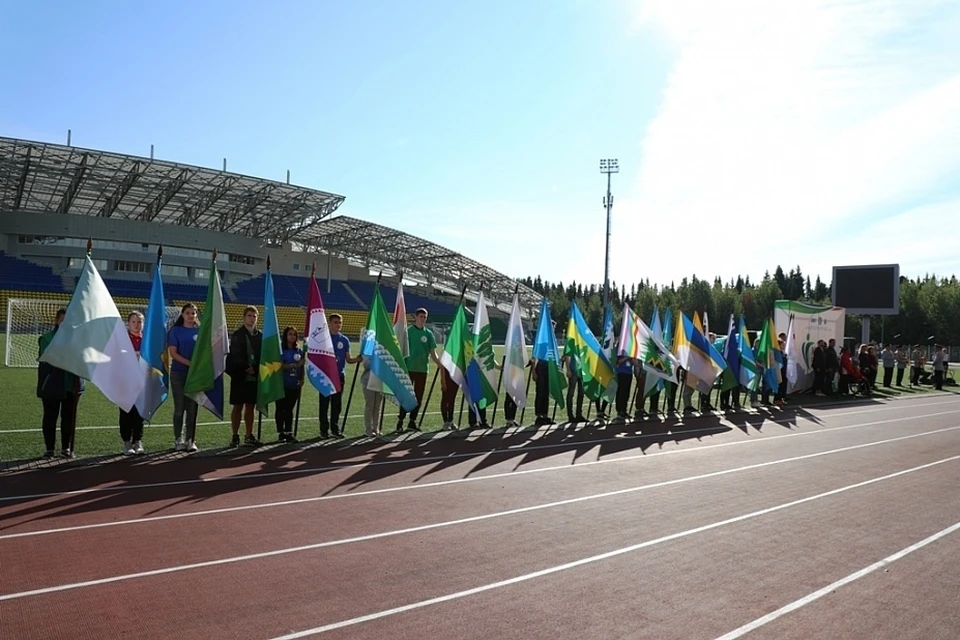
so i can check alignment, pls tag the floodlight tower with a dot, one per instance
(608, 166)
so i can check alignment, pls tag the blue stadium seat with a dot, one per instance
(20, 274)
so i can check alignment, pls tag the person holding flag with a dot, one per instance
(330, 405)
(292, 361)
(326, 361)
(60, 392)
(516, 361)
(243, 365)
(546, 372)
(181, 343)
(131, 422)
(423, 348)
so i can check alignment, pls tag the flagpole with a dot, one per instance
(356, 371)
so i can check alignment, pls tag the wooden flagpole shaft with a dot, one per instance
(346, 411)
(259, 424)
(423, 409)
(383, 408)
(493, 417)
(524, 410)
(460, 415)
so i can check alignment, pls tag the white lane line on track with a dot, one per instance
(599, 557)
(296, 501)
(890, 405)
(830, 588)
(468, 455)
(480, 518)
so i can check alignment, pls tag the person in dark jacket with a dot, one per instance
(243, 365)
(819, 367)
(60, 392)
(831, 359)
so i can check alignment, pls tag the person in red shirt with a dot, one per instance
(131, 424)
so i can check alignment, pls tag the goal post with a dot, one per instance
(28, 319)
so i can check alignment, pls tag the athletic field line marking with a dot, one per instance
(885, 407)
(296, 501)
(599, 557)
(467, 455)
(830, 588)
(479, 518)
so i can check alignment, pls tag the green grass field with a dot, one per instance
(98, 433)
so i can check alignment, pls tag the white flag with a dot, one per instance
(791, 354)
(92, 342)
(515, 357)
(400, 322)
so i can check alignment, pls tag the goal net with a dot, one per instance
(28, 319)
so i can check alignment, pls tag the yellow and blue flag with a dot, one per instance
(694, 353)
(589, 361)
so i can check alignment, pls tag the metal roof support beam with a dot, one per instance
(192, 215)
(122, 189)
(74, 186)
(165, 196)
(22, 182)
(251, 202)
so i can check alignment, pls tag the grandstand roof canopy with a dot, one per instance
(394, 252)
(37, 176)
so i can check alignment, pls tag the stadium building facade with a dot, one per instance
(53, 198)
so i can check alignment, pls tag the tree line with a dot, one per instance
(929, 306)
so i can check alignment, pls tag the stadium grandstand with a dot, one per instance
(54, 197)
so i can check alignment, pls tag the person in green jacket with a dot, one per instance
(60, 392)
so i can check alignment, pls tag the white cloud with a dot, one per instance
(788, 131)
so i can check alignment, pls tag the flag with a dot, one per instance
(693, 352)
(481, 363)
(654, 384)
(668, 329)
(640, 342)
(730, 377)
(154, 357)
(270, 377)
(388, 370)
(608, 336)
(321, 366)
(455, 351)
(767, 356)
(400, 322)
(593, 368)
(545, 350)
(515, 357)
(92, 342)
(748, 361)
(791, 353)
(204, 381)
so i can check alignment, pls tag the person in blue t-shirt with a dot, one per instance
(291, 356)
(330, 405)
(181, 341)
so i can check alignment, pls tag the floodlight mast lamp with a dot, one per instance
(608, 166)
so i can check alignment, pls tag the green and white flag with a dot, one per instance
(481, 361)
(454, 358)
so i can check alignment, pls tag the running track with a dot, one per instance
(840, 522)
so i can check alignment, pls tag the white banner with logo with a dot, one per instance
(811, 323)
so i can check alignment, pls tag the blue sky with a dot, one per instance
(749, 133)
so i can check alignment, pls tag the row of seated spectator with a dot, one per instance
(22, 274)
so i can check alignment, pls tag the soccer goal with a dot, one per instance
(28, 319)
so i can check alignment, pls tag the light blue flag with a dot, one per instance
(154, 358)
